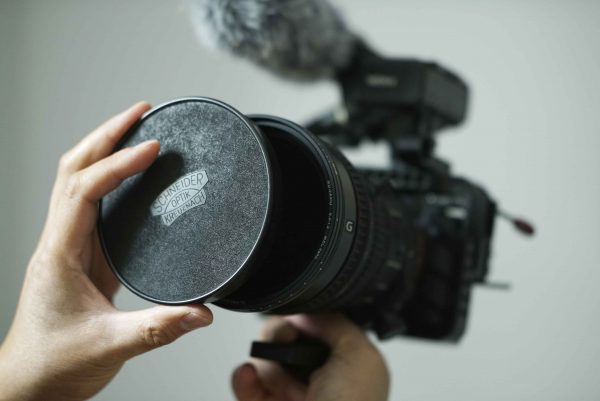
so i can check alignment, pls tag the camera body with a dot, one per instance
(421, 286)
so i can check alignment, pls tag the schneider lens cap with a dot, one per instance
(190, 227)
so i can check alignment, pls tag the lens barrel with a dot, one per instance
(315, 222)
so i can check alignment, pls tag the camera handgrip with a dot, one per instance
(299, 358)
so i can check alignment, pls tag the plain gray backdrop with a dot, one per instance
(532, 138)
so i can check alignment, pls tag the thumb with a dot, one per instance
(246, 384)
(141, 331)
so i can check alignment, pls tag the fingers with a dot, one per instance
(279, 331)
(262, 379)
(101, 142)
(78, 211)
(336, 330)
(279, 384)
(97, 180)
(86, 174)
(354, 371)
(246, 384)
(355, 368)
(141, 331)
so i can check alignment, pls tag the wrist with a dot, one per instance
(19, 375)
(11, 379)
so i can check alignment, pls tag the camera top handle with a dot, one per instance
(402, 101)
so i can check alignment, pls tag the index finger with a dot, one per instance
(102, 141)
(77, 210)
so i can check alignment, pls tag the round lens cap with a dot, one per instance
(189, 228)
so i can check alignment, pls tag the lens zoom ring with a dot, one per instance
(353, 269)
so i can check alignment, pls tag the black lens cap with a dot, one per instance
(190, 228)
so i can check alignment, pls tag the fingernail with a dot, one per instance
(140, 103)
(193, 321)
(145, 143)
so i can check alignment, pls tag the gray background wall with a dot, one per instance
(532, 138)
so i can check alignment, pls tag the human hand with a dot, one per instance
(355, 369)
(67, 340)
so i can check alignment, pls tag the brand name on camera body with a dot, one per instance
(184, 194)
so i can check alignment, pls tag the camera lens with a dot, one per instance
(252, 213)
(314, 222)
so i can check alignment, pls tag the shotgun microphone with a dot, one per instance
(299, 39)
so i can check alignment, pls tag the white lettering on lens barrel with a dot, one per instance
(349, 225)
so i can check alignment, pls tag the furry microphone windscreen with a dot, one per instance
(298, 39)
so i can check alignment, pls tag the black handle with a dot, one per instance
(300, 358)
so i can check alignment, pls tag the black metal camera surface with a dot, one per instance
(256, 213)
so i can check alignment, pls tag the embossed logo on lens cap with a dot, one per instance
(184, 194)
